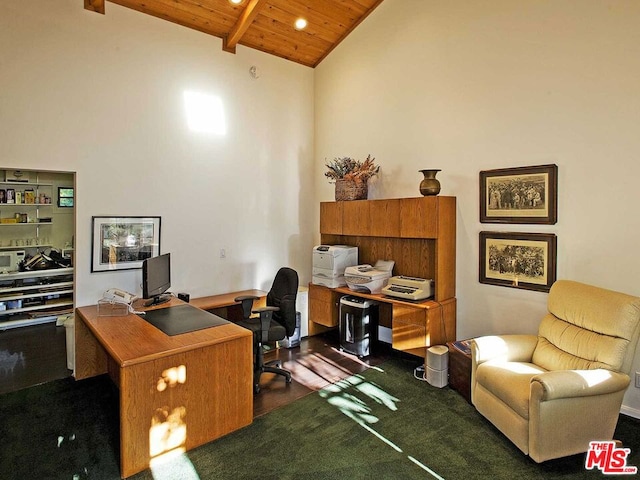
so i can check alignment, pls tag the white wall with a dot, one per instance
(102, 96)
(466, 86)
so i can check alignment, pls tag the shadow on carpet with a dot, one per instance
(380, 424)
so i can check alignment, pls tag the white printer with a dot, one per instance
(368, 279)
(330, 262)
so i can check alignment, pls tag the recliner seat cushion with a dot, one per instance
(510, 382)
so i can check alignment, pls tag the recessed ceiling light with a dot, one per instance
(236, 2)
(300, 24)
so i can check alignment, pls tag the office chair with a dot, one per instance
(274, 322)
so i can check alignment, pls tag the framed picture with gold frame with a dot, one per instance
(518, 260)
(519, 195)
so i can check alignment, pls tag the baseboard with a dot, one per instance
(631, 412)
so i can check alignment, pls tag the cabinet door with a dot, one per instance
(409, 331)
(355, 218)
(419, 217)
(384, 218)
(323, 306)
(331, 218)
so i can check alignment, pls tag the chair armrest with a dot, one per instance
(246, 301)
(242, 298)
(265, 309)
(508, 348)
(266, 314)
(577, 383)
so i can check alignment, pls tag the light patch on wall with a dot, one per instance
(204, 113)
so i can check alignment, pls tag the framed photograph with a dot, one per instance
(519, 195)
(122, 243)
(518, 260)
(65, 197)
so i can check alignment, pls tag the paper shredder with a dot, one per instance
(358, 325)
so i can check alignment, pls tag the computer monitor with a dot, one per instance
(156, 279)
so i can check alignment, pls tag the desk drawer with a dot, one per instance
(323, 306)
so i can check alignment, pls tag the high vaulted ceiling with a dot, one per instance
(266, 25)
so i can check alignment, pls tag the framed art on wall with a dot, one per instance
(122, 243)
(519, 195)
(518, 260)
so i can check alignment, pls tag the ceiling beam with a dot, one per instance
(94, 5)
(244, 22)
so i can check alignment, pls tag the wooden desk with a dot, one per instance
(415, 326)
(176, 391)
(225, 306)
(419, 234)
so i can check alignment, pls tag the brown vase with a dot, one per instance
(430, 185)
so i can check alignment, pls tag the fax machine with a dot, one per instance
(329, 263)
(409, 288)
(368, 279)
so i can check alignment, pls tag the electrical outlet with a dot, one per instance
(223, 253)
(637, 379)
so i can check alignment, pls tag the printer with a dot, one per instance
(330, 262)
(368, 279)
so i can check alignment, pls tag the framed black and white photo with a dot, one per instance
(518, 260)
(122, 243)
(519, 195)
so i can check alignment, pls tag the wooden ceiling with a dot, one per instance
(266, 25)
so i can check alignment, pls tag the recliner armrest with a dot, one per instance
(577, 383)
(508, 348)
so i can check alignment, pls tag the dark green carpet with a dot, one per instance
(382, 424)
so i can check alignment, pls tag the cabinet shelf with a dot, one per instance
(24, 224)
(44, 306)
(53, 272)
(23, 247)
(38, 291)
(50, 292)
(27, 184)
(26, 205)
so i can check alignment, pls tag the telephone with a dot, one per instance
(118, 296)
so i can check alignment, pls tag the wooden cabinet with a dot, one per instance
(331, 217)
(460, 371)
(323, 305)
(419, 235)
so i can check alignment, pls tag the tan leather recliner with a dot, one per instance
(553, 393)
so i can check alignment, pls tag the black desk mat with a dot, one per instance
(182, 319)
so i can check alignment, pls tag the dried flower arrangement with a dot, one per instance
(347, 168)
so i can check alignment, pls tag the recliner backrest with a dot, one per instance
(586, 328)
(283, 295)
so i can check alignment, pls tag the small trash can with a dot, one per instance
(293, 340)
(70, 331)
(438, 366)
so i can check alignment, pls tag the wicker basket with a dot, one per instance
(350, 190)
